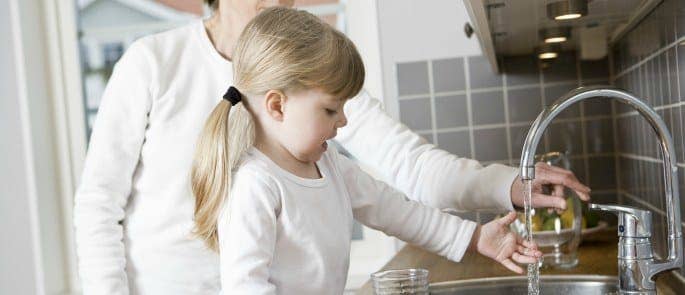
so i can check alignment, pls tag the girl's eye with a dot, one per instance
(331, 112)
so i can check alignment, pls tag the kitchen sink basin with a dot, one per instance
(551, 284)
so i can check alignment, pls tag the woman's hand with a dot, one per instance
(558, 178)
(496, 241)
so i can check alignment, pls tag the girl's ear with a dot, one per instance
(275, 104)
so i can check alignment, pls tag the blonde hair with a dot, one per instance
(280, 49)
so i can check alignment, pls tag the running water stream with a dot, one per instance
(533, 268)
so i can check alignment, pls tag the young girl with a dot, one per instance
(275, 200)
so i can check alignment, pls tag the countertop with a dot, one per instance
(597, 255)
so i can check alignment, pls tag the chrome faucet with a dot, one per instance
(636, 264)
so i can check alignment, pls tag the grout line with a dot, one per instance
(650, 57)
(434, 124)
(467, 76)
(541, 80)
(614, 127)
(505, 96)
(583, 126)
(490, 89)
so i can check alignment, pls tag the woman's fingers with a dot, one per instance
(545, 201)
(512, 266)
(554, 175)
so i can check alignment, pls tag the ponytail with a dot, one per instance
(227, 134)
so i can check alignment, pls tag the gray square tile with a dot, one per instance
(481, 74)
(487, 107)
(491, 144)
(451, 111)
(524, 104)
(518, 136)
(679, 17)
(521, 70)
(457, 142)
(600, 106)
(416, 113)
(448, 75)
(412, 78)
(681, 70)
(563, 68)
(578, 169)
(602, 173)
(599, 136)
(552, 93)
(594, 69)
(565, 137)
(663, 78)
(673, 75)
(678, 132)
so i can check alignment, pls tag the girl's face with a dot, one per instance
(309, 119)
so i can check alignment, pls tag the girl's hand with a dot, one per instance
(496, 241)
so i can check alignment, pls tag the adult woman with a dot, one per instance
(134, 207)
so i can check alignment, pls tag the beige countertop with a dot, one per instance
(597, 255)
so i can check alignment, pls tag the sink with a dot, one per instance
(549, 284)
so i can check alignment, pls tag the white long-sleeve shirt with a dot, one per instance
(134, 207)
(283, 234)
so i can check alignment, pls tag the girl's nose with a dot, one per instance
(343, 121)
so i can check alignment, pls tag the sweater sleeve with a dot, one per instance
(109, 167)
(381, 207)
(247, 235)
(419, 169)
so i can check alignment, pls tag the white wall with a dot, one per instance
(32, 254)
(18, 265)
(412, 30)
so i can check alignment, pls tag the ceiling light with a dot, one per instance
(555, 35)
(566, 9)
(548, 50)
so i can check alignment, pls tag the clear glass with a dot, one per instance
(557, 233)
(400, 281)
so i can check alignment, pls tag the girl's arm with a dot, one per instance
(379, 206)
(247, 235)
(419, 169)
(107, 176)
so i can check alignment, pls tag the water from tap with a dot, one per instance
(533, 268)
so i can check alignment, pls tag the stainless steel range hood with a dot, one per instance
(513, 27)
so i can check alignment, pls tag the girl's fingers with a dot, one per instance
(507, 219)
(528, 244)
(512, 266)
(523, 259)
(529, 252)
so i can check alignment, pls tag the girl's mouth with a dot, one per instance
(325, 145)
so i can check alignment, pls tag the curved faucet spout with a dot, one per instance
(670, 171)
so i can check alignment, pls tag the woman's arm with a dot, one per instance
(106, 181)
(423, 172)
(247, 235)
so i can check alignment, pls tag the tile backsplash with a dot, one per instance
(649, 61)
(463, 107)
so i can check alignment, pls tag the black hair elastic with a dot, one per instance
(233, 95)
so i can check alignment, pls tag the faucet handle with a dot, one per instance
(632, 222)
